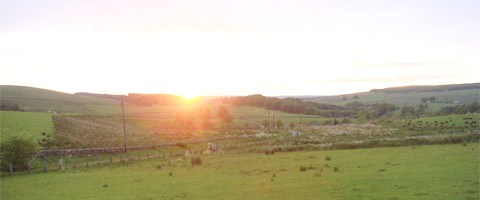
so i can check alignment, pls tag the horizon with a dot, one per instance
(284, 95)
(220, 48)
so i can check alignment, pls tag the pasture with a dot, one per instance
(421, 172)
(25, 124)
(400, 99)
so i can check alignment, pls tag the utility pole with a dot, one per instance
(267, 115)
(273, 119)
(124, 132)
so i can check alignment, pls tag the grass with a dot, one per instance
(424, 172)
(26, 124)
(454, 119)
(42, 100)
(400, 99)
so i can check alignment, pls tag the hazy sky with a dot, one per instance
(242, 47)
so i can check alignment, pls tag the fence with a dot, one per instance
(72, 158)
(96, 151)
(62, 163)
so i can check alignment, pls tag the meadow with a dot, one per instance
(25, 124)
(415, 172)
(304, 162)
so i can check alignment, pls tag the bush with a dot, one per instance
(196, 161)
(18, 151)
(182, 145)
(269, 152)
(328, 158)
(303, 168)
(336, 169)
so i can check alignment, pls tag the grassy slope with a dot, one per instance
(412, 98)
(28, 124)
(41, 100)
(425, 172)
(244, 114)
(154, 125)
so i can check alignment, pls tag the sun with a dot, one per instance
(190, 99)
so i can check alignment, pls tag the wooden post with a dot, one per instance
(29, 166)
(86, 159)
(163, 154)
(110, 159)
(148, 156)
(99, 160)
(45, 165)
(11, 168)
(156, 154)
(74, 163)
(60, 164)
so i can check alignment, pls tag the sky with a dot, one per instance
(221, 47)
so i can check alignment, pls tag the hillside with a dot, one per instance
(446, 95)
(42, 100)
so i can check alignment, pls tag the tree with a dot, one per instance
(408, 111)
(205, 114)
(335, 121)
(292, 125)
(433, 99)
(279, 123)
(18, 151)
(224, 115)
(424, 99)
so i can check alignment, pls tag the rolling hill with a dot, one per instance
(42, 100)
(411, 95)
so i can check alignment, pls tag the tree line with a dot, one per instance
(290, 105)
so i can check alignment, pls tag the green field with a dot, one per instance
(241, 171)
(42, 100)
(25, 124)
(423, 172)
(409, 98)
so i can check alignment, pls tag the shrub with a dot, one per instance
(18, 151)
(196, 161)
(269, 152)
(336, 169)
(303, 168)
(328, 158)
(182, 145)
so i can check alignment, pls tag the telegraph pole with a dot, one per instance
(124, 132)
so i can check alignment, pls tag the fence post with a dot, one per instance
(110, 159)
(11, 168)
(45, 165)
(86, 158)
(29, 166)
(156, 154)
(74, 163)
(99, 160)
(60, 164)
(148, 156)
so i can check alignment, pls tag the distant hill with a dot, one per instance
(42, 100)
(444, 94)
